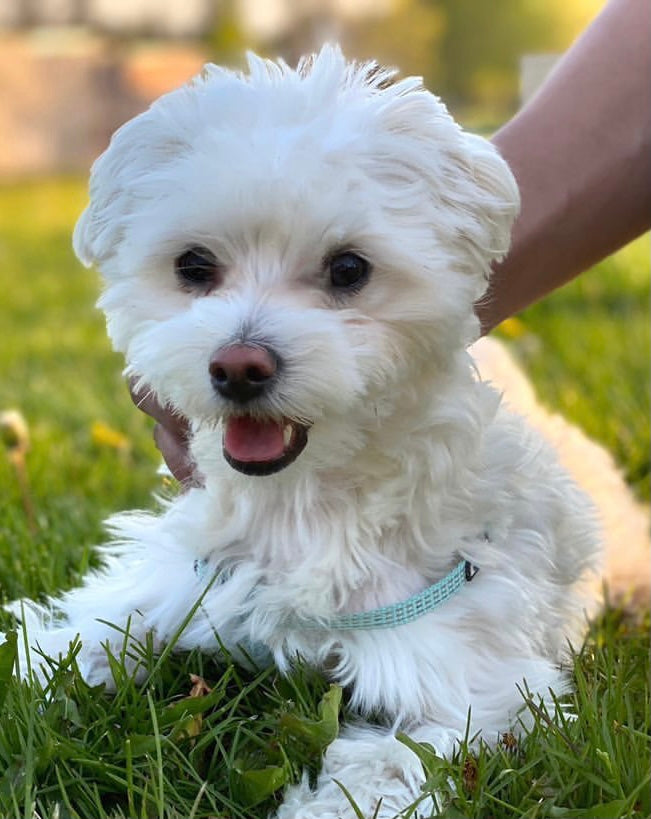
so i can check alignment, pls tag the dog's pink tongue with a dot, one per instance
(249, 439)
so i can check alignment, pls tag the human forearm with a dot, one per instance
(581, 153)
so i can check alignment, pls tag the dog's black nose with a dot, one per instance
(242, 372)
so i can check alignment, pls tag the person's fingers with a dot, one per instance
(175, 452)
(170, 435)
(146, 401)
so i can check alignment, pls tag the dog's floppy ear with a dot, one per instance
(147, 141)
(499, 197)
(488, 196)
(474, 196)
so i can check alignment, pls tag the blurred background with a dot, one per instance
(71, 71)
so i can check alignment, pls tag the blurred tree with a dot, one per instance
(226, 40)
(483, 42)
(467, 51)
(410, 36)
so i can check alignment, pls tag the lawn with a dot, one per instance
(154, 750)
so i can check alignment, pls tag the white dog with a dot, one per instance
(291, 260)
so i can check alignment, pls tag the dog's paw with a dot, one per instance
(366, 772)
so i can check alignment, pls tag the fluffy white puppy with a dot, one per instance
(291, 259)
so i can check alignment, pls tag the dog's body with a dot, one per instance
(291, 262)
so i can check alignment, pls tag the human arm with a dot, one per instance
(581, 154)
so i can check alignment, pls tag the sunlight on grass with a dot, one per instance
(42, 206)
(59, 371)
(586, 348)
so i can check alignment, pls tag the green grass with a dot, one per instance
(586, 348)
(155, 749)
(151, 750)
(58, 370)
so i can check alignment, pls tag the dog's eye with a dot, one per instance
(348, 271)
(197, 268)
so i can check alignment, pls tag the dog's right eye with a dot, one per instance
(348, 271)
(197, 269)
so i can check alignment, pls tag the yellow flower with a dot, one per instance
(512, 327)
(105, 436)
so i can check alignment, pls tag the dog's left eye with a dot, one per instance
(197, 268)
(348, 271)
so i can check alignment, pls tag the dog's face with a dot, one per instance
(287, 253)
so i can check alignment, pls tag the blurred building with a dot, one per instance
(179, 18)
(71, 71)
(175, 18)
(63, 93)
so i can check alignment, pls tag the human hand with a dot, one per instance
(170, 436)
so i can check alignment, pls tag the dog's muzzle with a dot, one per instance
(253, 444)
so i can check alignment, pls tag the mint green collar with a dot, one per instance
(399, 614)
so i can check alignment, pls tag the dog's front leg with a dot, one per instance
(106, 616)
(381, 774)
(117, 610)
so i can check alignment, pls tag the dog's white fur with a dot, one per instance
(411, 462)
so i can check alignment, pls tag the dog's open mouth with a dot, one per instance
(262, 446)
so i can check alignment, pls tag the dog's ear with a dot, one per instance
(473, 195)
(479, 201)
(493, 201)
(148, 141)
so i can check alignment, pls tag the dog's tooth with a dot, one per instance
(287, 434)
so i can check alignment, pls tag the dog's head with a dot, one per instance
(286, 252)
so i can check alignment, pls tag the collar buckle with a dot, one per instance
(470, 571)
